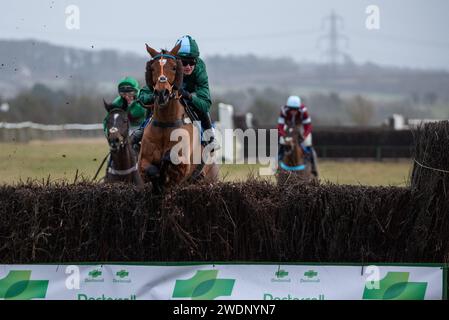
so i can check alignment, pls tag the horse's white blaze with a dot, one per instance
(113, 130)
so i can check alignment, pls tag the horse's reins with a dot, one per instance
(123, 143)
(101, 166)
(174, 95)
(282, 163)
(115, 172)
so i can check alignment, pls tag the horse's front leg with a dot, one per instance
(175, 174)
(174, 167)
(149, 160)
(137, 180)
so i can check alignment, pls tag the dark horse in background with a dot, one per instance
(295, 162)
(123, 162)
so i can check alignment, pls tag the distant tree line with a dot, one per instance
(331, 108)
(46, 105)
(42, 104)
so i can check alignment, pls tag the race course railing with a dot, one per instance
(26, 131)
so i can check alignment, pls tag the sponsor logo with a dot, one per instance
(281, 276)
(204, 285)
(95, 276)
(82, 296)
(18, 286)
(310, 276)
(122, 276)
(395, 286)
(269, 296)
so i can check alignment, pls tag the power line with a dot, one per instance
(333, 37)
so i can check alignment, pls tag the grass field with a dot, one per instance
(60, 160)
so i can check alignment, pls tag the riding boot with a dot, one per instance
(206, 124)
(137, 135)
(313, 160)
(281, 152)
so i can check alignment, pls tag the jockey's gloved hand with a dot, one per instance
(185, 94)
(282, 140)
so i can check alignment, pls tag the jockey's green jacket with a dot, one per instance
(136, 112)
(197, 84)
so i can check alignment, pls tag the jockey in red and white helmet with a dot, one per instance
(295, 108)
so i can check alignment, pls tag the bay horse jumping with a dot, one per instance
(123, 162)
(158, 160)
(294, 162)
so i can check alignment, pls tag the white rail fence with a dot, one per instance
(26, 131)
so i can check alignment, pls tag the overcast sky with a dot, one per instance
(412, 33)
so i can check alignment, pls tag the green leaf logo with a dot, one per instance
(95, 273)
(18, 286)
(204, 285)
(281, 274)
(310, 274)
(395, 286)
(122, 274)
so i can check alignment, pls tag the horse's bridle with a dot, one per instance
(162, 58)
(173, 91)
(122, 139)
(291, 128)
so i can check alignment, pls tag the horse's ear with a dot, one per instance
(151, 51)
(175, 50)
(107, 106)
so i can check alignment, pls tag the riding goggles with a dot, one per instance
(188, 62)
(127, 89)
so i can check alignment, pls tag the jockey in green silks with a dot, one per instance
(195, 90)
(129, 99)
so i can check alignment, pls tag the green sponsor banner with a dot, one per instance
(223, 281)
(17, 285)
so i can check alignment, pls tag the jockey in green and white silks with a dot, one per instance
(195, 90)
